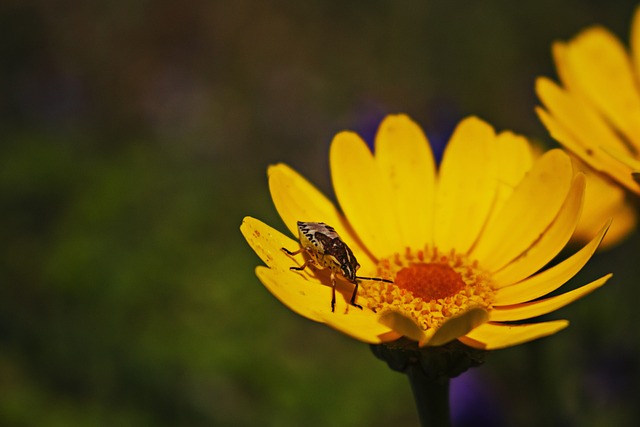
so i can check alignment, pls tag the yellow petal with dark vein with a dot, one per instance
(532, 309)
(493, 336)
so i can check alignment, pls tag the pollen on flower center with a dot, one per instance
(430, 281)
(429, 286)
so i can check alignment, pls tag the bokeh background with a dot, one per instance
(134, 136)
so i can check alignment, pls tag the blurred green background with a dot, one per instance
(136, 135)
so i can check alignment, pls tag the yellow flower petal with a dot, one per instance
(550, 279)
(559, 53)
(603, 200)
(268, 242)
(594, 156)
(307, 292)
(458, 326)
(492, 336)
(466, 187)
(529, 310)
(362, 325)
(535, 202)
(623, 158)
(596, 116)
(296, 200)
(552, 241)
(580, 122)
(515, 159)
(627, 165)
(403, 325)
(635, 41)
(363, 194)
(625, 221)
(601, 67)
(580, 118)
(308, 299)
(404, 156)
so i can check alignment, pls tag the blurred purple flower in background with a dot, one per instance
(474, 401)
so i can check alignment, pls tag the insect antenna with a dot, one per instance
(377, 279)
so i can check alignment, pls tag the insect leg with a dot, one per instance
(302, 267)
(353, 296)
(333, 292)
(288, 252)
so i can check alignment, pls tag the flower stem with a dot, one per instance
(429, 370)
(432, 398)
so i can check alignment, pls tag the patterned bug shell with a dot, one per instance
(324, 245)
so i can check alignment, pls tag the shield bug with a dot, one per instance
(326, 250)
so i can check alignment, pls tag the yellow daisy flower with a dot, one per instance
(595, 112)
(462, 244)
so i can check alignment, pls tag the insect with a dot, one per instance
(325, 249)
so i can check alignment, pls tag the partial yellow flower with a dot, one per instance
(464, 244)
(595, 112)
(603, 199)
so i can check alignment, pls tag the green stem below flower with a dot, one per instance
(431, 397)
(429, 370)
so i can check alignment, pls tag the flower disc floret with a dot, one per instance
(429, 286)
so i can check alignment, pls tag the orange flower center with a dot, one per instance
(430, 281)
(429, 286)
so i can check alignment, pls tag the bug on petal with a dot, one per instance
(326, 250)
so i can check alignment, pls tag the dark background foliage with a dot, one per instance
(134, 138)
